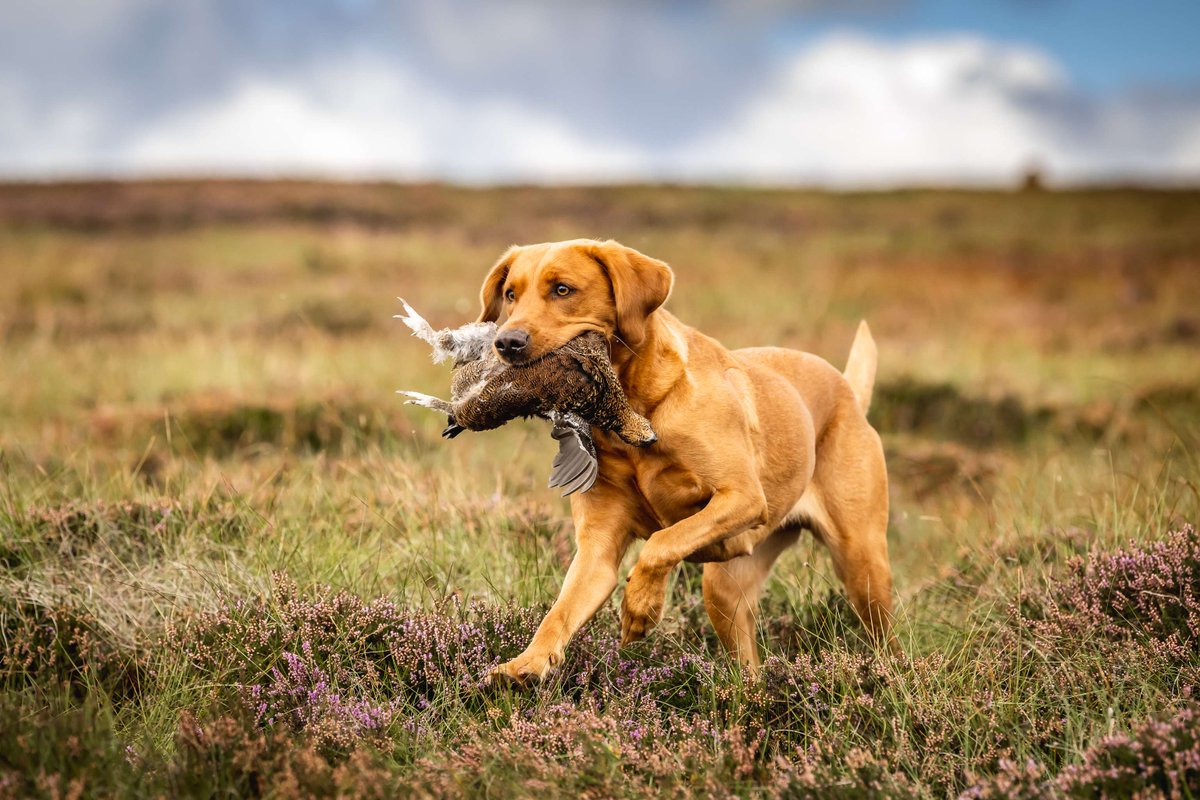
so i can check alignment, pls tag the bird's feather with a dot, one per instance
(575, 467)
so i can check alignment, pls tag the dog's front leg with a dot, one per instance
(601, 541)
(728, 513)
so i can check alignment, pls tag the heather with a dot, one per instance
(347, 679)
(1158, 758)
(232, 564)
(1147, 596)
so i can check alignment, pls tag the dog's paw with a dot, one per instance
(642, 606)
(524, 671)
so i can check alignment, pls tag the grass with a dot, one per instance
(234, 564)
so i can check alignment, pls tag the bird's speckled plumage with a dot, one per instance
(574, 386)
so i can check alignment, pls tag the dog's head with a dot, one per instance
(554, 292)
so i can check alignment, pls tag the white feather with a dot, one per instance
(428, 401)
(463, 344)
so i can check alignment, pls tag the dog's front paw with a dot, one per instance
(525, 670)
(642, 606)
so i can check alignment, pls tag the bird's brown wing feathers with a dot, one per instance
(575, 467)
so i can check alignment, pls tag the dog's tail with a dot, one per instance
(860, 367)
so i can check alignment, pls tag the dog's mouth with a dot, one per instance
(523, 360)
(588, 340)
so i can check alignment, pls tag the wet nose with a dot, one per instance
(511, 345)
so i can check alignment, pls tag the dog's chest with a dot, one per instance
(669, 492)
(666, 490)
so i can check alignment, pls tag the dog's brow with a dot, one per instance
(512, 282)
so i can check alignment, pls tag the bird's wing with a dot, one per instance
(575, 467)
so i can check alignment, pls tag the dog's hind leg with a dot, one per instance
(847, 509)
(731, 591)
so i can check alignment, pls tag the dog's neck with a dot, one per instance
(651, 369)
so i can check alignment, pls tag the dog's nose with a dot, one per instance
(511, 345)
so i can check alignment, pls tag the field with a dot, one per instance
(234, 564)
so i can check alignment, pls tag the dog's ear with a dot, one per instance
(640, 285)
(491, 295)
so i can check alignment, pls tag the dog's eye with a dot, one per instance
(510, 295)
(562, 290)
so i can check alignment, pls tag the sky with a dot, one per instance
(856, 93)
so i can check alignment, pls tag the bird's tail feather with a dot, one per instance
(416, 323)
(428, 401)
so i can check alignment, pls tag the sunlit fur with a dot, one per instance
(754, 445)
(612, 289)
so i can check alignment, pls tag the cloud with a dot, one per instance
(535, 91)
(362, 118)
(38, 139)
(631, 69)
(857, 111)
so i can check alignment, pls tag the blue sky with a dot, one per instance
(1105, 45)
(759, 91)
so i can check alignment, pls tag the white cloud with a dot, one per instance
(1188, 153)
(845, 110)
(852, 110)
(60, 138)
(363, 117)
(265, 127)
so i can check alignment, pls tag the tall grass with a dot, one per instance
(231, 563)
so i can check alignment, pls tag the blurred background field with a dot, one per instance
(197, 394)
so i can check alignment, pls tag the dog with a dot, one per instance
(754, 446)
